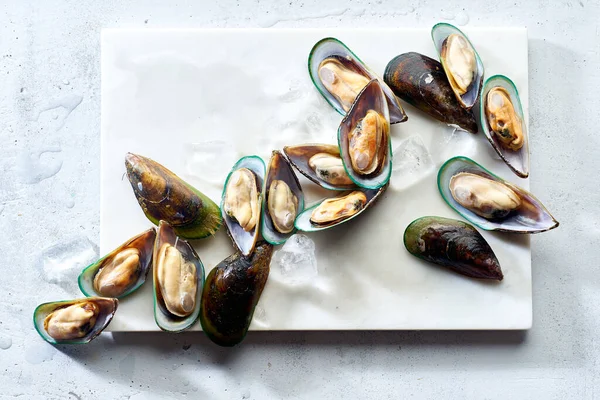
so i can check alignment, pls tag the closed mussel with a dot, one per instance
(178, 276)
(503, 123)
(340, 76)
(453, 244)
(422, 82)
(241, 202)
(283, 200)
(74, 321)
(461, 63)
(489, 201)
(164, 196)
(122, 271)
(231, 293)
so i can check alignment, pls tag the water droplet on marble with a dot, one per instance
(461, 18)
(10, 129)
(210, 161)
(35, 166)
(246, 394)
(66, 83)
(5, 342)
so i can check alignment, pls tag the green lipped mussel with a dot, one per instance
(453, 244)
(164, 196)
(122, 271)
(422, 82)
(231, 292)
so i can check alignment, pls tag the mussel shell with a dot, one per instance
(332, 47)
(244, 241)
(162, 195)
(530, 217)
(371, 98)
(300, 155)
(231, 293)
(454, 244)
(422, 82)
(303, 220)
(144, 242)
(439, 33)
(517, 161)
(279, 169)
(165, 319)
(108, 307)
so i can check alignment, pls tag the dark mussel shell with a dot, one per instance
(162, 195)
(453, 244)
(231, 292)
(422, 82)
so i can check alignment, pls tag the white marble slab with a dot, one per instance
(163, 90)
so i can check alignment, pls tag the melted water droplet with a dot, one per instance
(462, 18)
(5, 342)
(68, 102)
(66, 82)
(33, 169)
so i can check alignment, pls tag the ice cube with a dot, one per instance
(260, 316)
(411, 163)
(453, 142)
(62, 263)
(295, 263)
(210, 161)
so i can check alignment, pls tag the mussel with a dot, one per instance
(421, 81)
(283, 200)
(122, 271)
(454, 244)
(340, 76)
(461, 63)
(178, 276)
(490, 202)
(337, 210)
(164, 196)
(321, 163)
(231, 293)
(241, 202)
(364, 139)
(503, 123)
(74, 321)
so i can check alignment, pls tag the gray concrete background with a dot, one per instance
(50, 102)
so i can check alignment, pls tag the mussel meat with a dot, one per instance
(453, 244)
(282, 206)
(421, 81)
(368, 143)
(178, 276)
(242, 198)
(329, 168)
(231, 293)
(503, 119)
(341, 81)
(460, 62)
(487, 198)
(74, 321)
(164, 196)
(337, 209)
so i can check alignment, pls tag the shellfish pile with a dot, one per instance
(263, 204)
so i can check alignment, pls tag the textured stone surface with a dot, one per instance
(49, 180)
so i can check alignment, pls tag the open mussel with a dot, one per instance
(178, 277)
(489, 201)
(231, 293)
(422, 82)
(340, 76)
(164, 196)
(461, 63)
(321, 163)
(454, 244)
(122, 271)
(337, 210)
(364, 139)
(283, 200)
(241, 202)
(503, 123)
(74, 321)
